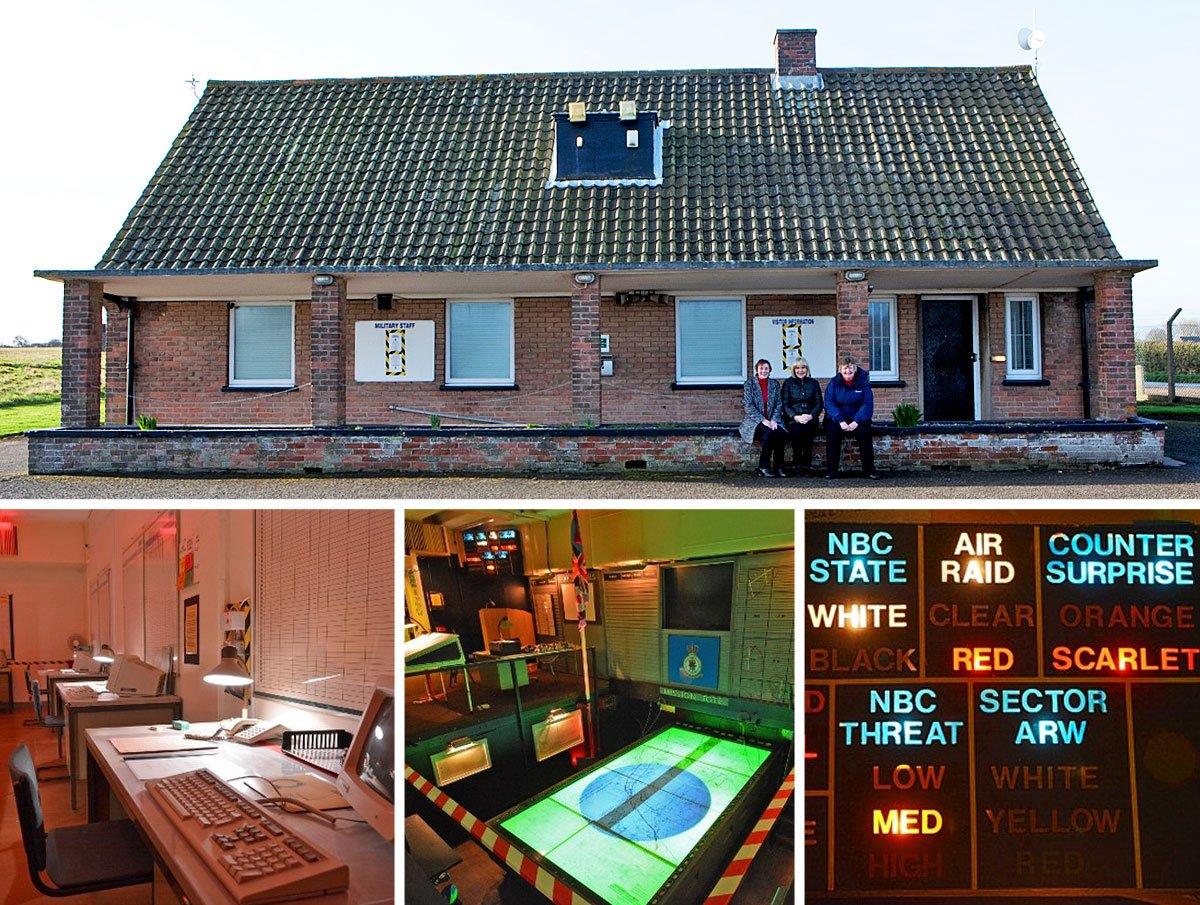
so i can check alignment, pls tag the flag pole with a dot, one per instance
(587, 685)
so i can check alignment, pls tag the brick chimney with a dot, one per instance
(796, 58)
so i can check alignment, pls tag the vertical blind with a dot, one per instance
(481, 342)
(262, 343)
(710, 339)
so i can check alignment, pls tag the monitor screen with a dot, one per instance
(699, 597)
(376, 766)
(368, 778)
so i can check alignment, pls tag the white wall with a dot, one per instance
(46, 580)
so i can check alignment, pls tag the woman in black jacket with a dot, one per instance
(802, 404)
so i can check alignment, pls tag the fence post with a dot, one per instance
(1171, 356)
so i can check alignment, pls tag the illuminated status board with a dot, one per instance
(496, 550)
(994, 707)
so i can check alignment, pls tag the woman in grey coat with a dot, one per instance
(762, 400)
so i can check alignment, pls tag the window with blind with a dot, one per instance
(1023, 337)
(881, 326)
(324, 608)
(710, 340)
(480, 343)
(262, 344)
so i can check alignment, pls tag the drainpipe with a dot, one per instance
(1083, 300)
(126, 303)
(129, 367)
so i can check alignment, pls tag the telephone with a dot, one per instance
(247, 732)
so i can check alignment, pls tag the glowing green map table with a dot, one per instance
(623, 829)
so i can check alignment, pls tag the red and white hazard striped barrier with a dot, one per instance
(736, 871)
(533, 873)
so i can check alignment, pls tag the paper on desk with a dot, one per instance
(159, 767)
(162, 743)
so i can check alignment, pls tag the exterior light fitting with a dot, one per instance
(585, 278)
(854, 276)
(323, 279)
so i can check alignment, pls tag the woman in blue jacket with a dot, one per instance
(849, 405)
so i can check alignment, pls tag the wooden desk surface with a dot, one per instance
(68, 673)
(370, 857)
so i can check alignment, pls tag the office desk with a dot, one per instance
(116, 792)
(86, 705)
(53, 677)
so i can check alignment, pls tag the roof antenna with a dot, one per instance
(1032, 39)
(194, 82)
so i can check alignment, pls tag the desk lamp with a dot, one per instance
(104, 657)
(230, 672)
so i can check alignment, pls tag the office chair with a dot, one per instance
(57, 723)
(29, 688)
(76, 859)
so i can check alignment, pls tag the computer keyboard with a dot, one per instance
(255, 858)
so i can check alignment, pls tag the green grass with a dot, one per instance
(1185, 411)
(1180, 377)
(30, 388)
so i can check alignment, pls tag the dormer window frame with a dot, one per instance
(555, 183)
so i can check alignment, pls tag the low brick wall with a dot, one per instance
(606, 450)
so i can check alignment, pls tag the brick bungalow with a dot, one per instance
(575, 271)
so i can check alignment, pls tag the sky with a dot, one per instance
(93, 93)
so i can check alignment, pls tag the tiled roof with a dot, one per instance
(958, 165)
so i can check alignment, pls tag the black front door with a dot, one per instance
(948, 359)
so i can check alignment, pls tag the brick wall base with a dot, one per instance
(704, 449)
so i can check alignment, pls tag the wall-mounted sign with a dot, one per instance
(860, 604)
(781, 340)
(990, 760)
(693, 660)
(191, 630)
(387, 351)
(980, 601)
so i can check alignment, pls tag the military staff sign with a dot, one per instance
(386, 351)
(1001, 706)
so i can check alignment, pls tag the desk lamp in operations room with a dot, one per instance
(105, 657)
(230, 672)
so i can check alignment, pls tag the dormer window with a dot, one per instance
(606, 147)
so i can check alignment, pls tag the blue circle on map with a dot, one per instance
(646, 801)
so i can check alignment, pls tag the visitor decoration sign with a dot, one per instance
(387, 351)
(1034, 723)
(781, 340)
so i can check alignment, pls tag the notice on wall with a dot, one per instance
(860, 605)
(781, 340)
(1001, 707)
(386, 351)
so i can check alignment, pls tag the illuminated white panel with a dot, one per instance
(557, 733)
(461, 761)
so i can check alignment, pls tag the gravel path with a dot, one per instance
(1183, 443)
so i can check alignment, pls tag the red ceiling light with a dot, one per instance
(8, 538)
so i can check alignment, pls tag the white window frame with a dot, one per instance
(508, 381)
(1034, 373)
(710, 297)
(892, 373)
(290, 381)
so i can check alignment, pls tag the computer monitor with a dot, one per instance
(130, 675)
(368, 777)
